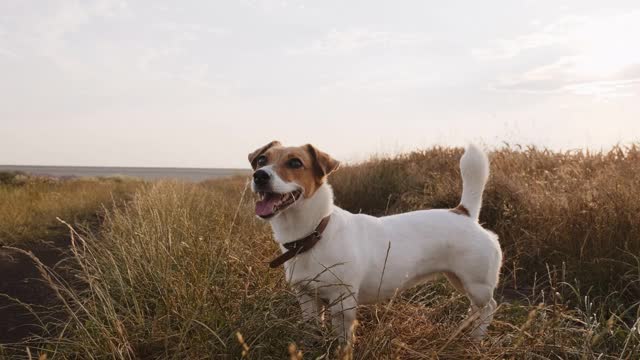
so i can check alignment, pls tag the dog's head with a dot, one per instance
(286, 176)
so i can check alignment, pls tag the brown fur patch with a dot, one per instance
(316, 165)
(253, 157)
(460, 210)
(324, 164)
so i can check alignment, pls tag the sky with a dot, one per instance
(203, 83)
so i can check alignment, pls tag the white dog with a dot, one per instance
(337, 259)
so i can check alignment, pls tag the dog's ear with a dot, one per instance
(253, 157)
(323, 164)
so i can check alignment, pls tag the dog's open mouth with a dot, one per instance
(271, 203)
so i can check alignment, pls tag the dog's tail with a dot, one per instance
(474, 166)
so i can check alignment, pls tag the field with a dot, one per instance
(29, 205)
(179, 270)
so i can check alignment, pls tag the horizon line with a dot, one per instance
(124, 167)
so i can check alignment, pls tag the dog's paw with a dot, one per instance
(478, 332)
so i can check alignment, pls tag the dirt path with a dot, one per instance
(20, 280)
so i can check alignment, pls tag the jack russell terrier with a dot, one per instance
(336, 260)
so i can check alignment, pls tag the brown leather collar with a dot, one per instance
(302, 245)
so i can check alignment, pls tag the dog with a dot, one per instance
(335, 260)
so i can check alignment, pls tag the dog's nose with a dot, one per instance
(261, 177)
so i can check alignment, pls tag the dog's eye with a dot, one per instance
(262, 161)
(294, 163)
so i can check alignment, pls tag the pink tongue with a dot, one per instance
(265, 206)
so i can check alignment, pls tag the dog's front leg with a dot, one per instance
(343, 315)
(311, 306)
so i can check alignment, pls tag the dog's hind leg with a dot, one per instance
(481, 297)
(455, 281)
(482, 302)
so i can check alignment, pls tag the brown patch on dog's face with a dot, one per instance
(253, 157)
(304, 165)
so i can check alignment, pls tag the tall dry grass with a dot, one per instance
(576, 212)
(181, 271)
(29, 205)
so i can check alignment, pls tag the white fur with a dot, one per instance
(277, 184)
(474, 167)
(346, 266)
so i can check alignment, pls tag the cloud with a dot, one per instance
(596, 58)
(561, 77)
(339, 42)
(79, 38)
(606, 89)
(4, 52)
(189, 31)
(556, 33)
(43, 32)
(545, 78)
(178, 56)
(174, 63)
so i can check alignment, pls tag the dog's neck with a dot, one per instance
(301, 219)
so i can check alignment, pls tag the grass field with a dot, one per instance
(29, 205)
(181, 270)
